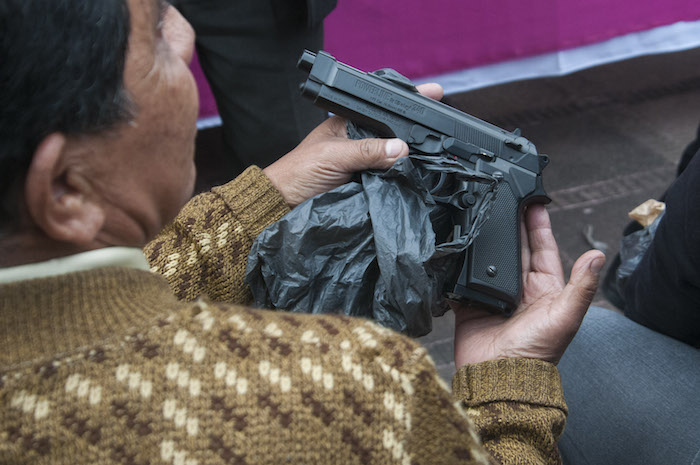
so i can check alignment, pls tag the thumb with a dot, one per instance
(583, 283)
(375, 153)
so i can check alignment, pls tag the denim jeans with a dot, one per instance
(633, 395)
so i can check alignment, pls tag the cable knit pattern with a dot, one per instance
(508, 399)
(205, 250)
(108, 366)
(200, 383)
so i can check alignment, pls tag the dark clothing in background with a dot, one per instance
(663, 293)
(248, 50)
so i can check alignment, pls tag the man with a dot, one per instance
(101, 363)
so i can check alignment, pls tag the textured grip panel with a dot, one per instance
(497, 249)
(479, 138)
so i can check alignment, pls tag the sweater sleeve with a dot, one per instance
(440, 432)
(204, 251)
(517, 406)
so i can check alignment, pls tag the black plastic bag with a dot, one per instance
(381, 248)
(632, 250)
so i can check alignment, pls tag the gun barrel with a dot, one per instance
(306, 61)
(386, 100)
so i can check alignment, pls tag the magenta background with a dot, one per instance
(425, 38)
(207, 104)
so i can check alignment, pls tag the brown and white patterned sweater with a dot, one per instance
(109, 367)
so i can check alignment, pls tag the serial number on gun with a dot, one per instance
(378, 95)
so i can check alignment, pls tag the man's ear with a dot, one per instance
(59, 198)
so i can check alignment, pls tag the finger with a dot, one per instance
(524, 247)
(366, 154)
(544, 252)
(333, 126)
(581, 288)
(432, 90)
(465, 311)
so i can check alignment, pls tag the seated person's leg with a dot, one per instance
(632, 395)
(689, 153)
(663, 293)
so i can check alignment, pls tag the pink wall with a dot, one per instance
(207, 104)
(421, 38)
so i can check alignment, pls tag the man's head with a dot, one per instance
(97, 119)
(62, 68)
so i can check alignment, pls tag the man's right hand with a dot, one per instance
(326, 158)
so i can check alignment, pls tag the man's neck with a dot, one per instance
(33, 247)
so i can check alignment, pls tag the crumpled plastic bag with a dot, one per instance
(633, 247)
(381, 248)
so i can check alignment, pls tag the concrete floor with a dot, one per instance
(613, 134)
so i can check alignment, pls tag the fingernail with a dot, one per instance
(597, 265)
(394, 148)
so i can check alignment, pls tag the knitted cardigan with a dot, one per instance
(108, 366)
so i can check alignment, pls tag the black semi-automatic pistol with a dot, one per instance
(390, 105)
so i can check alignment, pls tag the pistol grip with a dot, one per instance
(491, 273)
